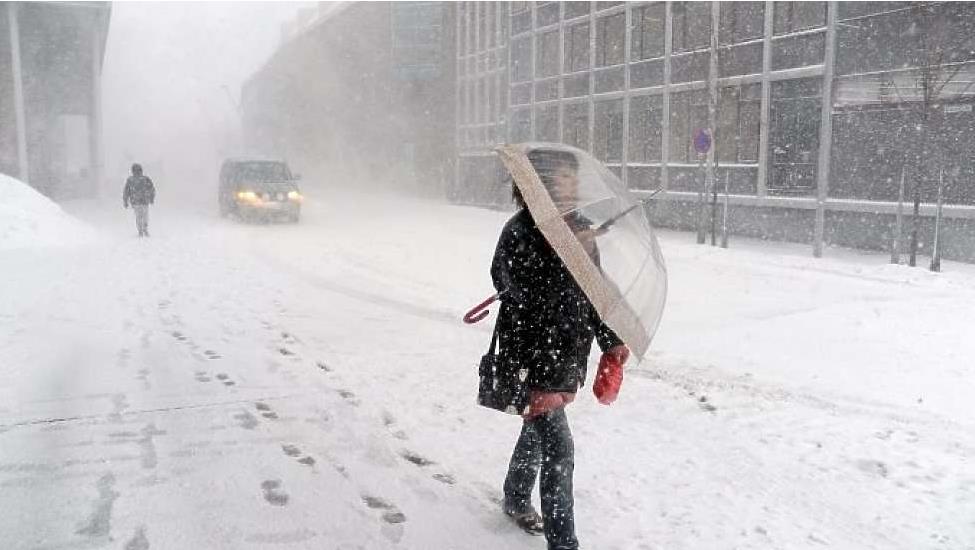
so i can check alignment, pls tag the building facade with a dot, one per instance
(360, 91)
(819, 110)
(50, 94)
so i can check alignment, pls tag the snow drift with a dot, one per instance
(29, 219)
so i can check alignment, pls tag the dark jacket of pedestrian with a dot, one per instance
(139, 190)
(546, 324)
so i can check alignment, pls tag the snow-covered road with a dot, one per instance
(231, 386)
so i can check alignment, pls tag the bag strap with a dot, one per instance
(494, 341)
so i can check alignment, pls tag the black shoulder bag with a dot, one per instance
(502, 385)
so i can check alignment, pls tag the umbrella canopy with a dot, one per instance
(599, 230)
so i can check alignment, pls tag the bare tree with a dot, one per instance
(941, 55)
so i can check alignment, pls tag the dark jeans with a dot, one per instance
(545, 443)
(141, 218)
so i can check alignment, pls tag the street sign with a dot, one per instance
(702, 141)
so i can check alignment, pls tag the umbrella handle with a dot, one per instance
(480, 311)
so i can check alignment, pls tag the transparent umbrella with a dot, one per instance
(600, 231)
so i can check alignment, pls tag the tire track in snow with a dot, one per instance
(402, 306)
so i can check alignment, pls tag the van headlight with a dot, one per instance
(294, 196)
(247, 196)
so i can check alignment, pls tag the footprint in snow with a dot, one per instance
(273, 493)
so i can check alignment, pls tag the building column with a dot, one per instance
(95, 117)
(761, 186)
(825, 131)
(665, 115)
(627, 55)
(22, 160)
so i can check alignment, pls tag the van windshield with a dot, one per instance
(262, 172)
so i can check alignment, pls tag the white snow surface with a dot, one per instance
(224, 386)
(29, 219)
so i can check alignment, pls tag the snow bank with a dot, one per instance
(29, 219)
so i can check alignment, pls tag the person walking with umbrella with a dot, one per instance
(140, 193)
(546, 326)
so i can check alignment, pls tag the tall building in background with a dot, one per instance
(50, 94)
(820, 106)
(360, 88)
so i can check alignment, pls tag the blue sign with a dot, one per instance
(702, 141)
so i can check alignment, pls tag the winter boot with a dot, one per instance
(529, 521)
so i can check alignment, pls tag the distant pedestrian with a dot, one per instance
(140, 193)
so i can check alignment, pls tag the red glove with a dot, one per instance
(609, 377)
(621, 352)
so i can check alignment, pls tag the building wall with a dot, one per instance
(61, 48)
(629, 83)
(361, 92)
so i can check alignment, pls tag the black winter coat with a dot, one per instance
(546, 323)
(138, 190)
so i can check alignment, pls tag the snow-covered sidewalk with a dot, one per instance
(227, 386)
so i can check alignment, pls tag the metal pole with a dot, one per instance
(895, 245)
(916, 220)
(712, 111)
(702, 194)
(724, 217)
(825, 131)
(936, 253)
(22, 160)
(714, 213)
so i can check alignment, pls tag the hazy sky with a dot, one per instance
(166, 69)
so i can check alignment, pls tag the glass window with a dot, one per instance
(688, 113)
(690, 67)
(647, 73)
(797, 16)
(547, 13)
(609, 80)
(521, 22)
(798, 51)
(547, 123)
(547, 63)
(739, 114)
(577, 47)
(462, 32)
(521, 126)
(575, 125)
(521, 60)
(547, 90)
(521, 94)
(692, 25)
(647, 34)
(481, 24)
(741, 59)
(646, 132)
(489, 15)
(575, 85)
(576, 9)
(794, 136)
(610, 34)
(608, 130)
(741, 21)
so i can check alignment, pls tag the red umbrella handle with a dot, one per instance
(479, 311)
